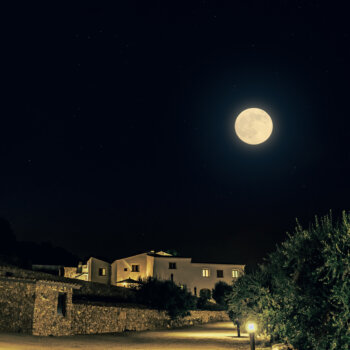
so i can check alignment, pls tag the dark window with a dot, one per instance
(219, 273)
(102, 271)
(172, 266)
(195, 291)
(125, 269)
(172, 277)
(135, 268)
(62, 304)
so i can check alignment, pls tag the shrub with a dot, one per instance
(205, 294)
(219, 293)
(166, 295)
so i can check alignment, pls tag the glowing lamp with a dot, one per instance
(251, 327)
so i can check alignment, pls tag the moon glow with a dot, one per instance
(253, 126)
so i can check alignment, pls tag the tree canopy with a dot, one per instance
(301, 294)
(166, 295)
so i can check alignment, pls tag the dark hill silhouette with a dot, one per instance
(26, 253)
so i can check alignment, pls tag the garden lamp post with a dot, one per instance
(251, 328)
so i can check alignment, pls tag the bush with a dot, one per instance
(166, 295)
(301, 295)
(249, 300)
(204, 296)
(220, 291)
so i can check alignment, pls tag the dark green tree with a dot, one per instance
(166, 295)
(249, 300)
(301, 295)
(204, 296)
(220, 291)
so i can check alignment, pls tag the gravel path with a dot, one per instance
(211, 336)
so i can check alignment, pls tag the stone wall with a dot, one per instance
(91, 319)
(31, 306)
(86, 289)
(47, 320)
(16, 305)
(70, 272)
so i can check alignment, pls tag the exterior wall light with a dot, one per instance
(251, 329)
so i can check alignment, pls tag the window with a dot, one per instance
(234, 273)
(102, 271)
(172, 266)
(62, 304)
(195, 291)
(135, 268)
(219, 273)
(172, 277)
(125, 269)
(205, 272)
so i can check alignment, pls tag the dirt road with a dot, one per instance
(211, 336)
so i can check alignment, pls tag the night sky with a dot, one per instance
(117, 124)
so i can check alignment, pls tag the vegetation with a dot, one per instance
(301, 295)
(219, 293)
(204, 296)
(166, 295)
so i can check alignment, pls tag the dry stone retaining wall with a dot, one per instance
(16, 305)
(32, 306)
(91, 319)
(47, 321)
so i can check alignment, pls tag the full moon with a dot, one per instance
(253, 126)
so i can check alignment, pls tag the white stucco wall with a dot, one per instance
(197, 280)
(180, 274)
(122, 268)
(94, 265)
(186, 273)
(190, 274)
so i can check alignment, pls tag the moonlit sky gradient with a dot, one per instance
(117, 124)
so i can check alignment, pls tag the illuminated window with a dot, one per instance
(62, 304)
(102, 271)
(205, 272)
(219, 273)
(135, 268)
(172, 266)
(234, 273)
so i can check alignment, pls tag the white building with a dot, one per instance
(182, 271)
(160, 265)
(95, 270)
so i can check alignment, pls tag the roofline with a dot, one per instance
(168, 257)
(92, 257)
(40, 281)
(213, 263)
(128, 257)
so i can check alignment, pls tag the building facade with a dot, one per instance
(95, 270)
(181, 270)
